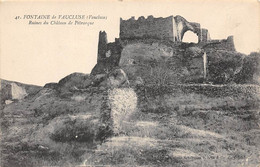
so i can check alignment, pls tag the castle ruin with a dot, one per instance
(167, 31)
(169, 28)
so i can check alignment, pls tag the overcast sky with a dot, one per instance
(38, 54)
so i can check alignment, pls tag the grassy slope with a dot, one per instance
(186, 129)
(28, 126)
(167, 129)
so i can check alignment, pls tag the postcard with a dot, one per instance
(130, 83)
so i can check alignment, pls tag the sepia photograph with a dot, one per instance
(130, 83)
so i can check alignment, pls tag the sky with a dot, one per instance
(39, 54)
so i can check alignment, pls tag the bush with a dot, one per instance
(81, 128)
(251, 68)
(160, 76)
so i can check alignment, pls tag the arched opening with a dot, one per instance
(189, 37)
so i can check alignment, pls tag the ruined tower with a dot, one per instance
(102, 45)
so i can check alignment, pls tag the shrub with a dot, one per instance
(250, 68)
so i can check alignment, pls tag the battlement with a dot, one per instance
(169, 28)
(157, 28)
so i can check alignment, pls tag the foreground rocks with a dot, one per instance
(142, 125)
(171, 127)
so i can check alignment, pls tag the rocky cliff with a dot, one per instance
(156, 56)
(181, 62)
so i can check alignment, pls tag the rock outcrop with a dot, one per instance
(152, 49)
(115, 79)
(78, 82)
(12, 91)
(74, 81)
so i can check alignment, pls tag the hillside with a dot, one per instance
(178, 125)
(151, 100)
(13, 91)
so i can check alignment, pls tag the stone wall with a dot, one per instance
(118, 105)
(169, 28)
(225, 44)
(247, 91)
(158, 28)
(182, 26)
(108, 54)
(190, 97)
(205, 35)
(153, 46)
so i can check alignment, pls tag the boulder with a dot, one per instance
(51, 85)
(117, 78)
(139, 81)
(97, 79)
(78, 80)
(143, 60)
(8, 102)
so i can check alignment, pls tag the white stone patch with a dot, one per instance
(175, 31)
(8, 102)
(146, 123)
(185, 154)
(134, 141)
(94, 121)
(123, 105)
(108, 53)
(199, 133)
(78, 98)
(81, 116)
(17, 91)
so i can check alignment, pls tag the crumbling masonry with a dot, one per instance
(168, 30)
